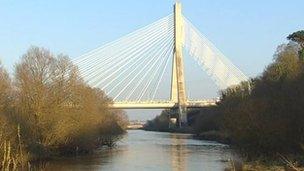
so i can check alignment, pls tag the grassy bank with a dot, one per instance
(47, 110)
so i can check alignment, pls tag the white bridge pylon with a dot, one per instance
(131, 69)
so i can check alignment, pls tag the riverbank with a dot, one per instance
(202, 125)
(213, 135)
(258, 164)
(261, 166)
(217, 136)
(248, 161)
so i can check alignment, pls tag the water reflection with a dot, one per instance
(178, 155)
(141, 150)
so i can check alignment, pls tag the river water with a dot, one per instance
(143, 150)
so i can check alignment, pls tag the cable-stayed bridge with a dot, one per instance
(131, 69)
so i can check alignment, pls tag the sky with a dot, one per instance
(247, 32)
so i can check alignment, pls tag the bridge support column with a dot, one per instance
(178, 92)
(182, 116)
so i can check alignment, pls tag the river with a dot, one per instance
(143, 150)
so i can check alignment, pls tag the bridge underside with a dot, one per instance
(160, 104)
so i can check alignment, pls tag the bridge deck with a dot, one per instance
(160, 104)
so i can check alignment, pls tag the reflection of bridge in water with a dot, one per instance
(178, 153)
(131, 69)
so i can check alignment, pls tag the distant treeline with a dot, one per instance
(160, 123)
(46, 109)
(264, 116)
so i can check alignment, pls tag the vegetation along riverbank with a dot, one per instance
(46, 110)
(263, 118)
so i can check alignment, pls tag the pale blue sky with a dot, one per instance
(247, 32)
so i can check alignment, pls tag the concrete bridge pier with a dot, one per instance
(183, 121)
(178, 91)
(180, 116)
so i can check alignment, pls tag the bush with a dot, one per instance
(204, 119)
(159, 123)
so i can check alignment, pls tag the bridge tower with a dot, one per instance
(178, 91)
